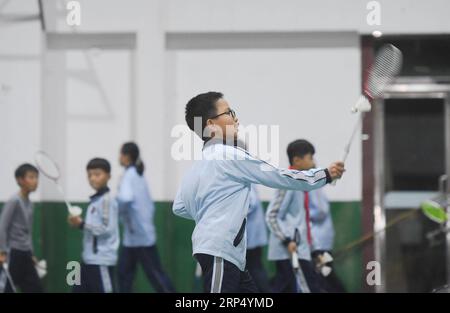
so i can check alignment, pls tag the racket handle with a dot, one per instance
(8, 276)
(295, 264)
(347, 150)
(61, 191)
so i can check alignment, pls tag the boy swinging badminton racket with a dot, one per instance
(215, 193)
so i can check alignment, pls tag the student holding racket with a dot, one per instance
(215, 193)
(100, 232)
(136, 211)
(288, 219)
(16, 243)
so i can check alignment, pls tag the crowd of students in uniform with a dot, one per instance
(101, 258)
(218, 193)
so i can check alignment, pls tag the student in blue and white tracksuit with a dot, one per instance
(288, 220)
(321, 223)
(215, 193)
(100, 233)
(137, 209)
(256, 240)
(323, 236)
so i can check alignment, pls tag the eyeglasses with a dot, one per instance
(230, 112)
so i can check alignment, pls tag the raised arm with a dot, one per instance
(243, 167)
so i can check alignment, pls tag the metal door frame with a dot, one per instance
(403, 90)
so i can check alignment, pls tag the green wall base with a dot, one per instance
(56, 242)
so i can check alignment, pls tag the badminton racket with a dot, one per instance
(387, 64)
(50, 169)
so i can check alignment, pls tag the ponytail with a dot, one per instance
(132, 150)
(139, 166)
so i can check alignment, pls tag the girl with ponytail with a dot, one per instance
(129, 156)
(136, 210)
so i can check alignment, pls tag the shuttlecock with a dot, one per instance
(41, 268)
(75, 211)
(362, 105)
(327, 258)
(325, 270)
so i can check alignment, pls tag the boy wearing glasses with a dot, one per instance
(215, 193)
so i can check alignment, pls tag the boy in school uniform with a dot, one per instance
(16, 242)
(288, 219)
(256, 238)
(215, 193)
(100, 232)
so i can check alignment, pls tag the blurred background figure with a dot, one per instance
(256, 241)
(323, 238)
(139, 237)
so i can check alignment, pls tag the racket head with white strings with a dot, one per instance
(47, 166)
(387, 64)
(50, 169)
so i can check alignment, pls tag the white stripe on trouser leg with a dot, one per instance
(221, 274)
(217, 275)
(213, 275)
(106, 279)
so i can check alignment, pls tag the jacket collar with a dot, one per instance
(100, 192)
(221, 141)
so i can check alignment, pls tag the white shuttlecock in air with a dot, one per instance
(363, 105)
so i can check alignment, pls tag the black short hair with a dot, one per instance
(99, 163)
(204, 106)
(25, 168)
(299, 148)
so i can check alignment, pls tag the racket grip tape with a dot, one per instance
(295, 263)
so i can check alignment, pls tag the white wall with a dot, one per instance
(20, 91)
(252, 73)
(397, 17)
(312, 101)
(98, 101)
